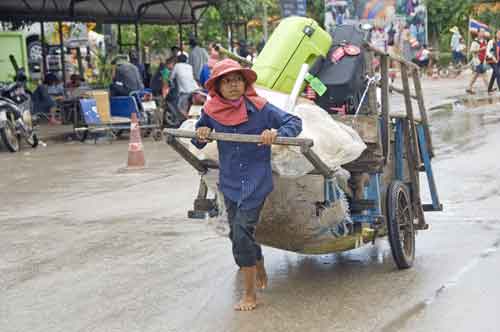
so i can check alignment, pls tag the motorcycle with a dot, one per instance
(15, 112)
(177, 106)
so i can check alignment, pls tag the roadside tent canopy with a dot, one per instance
(106, 11)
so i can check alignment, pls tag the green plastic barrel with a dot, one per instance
(295, 41)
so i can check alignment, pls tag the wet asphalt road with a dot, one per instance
(87, 247)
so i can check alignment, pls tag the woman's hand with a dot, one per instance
(202, 134)
(268, 136)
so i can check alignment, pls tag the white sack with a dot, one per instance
(335, 143)
(209, 152)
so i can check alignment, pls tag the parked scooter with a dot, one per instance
(15, 112)
(176, 106)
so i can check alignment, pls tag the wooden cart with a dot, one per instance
(387, 198)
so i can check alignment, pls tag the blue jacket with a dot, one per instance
(245, 168)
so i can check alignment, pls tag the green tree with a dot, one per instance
(442, 16)
(316, 10)
(211, 28)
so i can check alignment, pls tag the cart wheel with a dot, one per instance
(10, 137)
(157, 135)
(401, 231)
(81, 135)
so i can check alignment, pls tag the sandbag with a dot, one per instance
(291, 218)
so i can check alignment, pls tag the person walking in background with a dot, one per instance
(197, 58)
(493, 59)
(455, 45)
(183, 76)
(478, 51)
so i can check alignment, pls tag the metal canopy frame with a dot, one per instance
(106, 11)
(165, 12)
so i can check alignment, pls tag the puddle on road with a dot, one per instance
(461, 129)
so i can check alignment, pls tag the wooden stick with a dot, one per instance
(400, 91)
(316, 161)
(423, 112)
(384, 69)
(186, 154)
(412, 147)
(293, 141)
(377, 51)
(233, 56)
(372, 92)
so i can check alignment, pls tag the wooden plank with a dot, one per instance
(401, 91)
(412, 147)
(367, 126)
(316, 161)
(409, 111)
(384, 69)
(391, 56)
(423, 112)
(372, 91)
(186, 154)
(292, 141)
(413, 174)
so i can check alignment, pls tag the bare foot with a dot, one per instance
(261, 281)
(248, 303)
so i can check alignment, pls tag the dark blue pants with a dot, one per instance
(246, 251)
(495, 76)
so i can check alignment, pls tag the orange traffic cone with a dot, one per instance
(135, 148)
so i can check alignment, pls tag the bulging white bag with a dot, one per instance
(335, 143)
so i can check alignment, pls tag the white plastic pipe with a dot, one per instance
(292, 98)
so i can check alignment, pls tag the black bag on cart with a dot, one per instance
(345, 79)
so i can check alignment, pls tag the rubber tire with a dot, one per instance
(403, 252)
(81, 135)
(3, 134)
(169, 120)
(33, 141)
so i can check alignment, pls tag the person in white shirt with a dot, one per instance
(455, 44)
(478, 51)
(183, 75)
